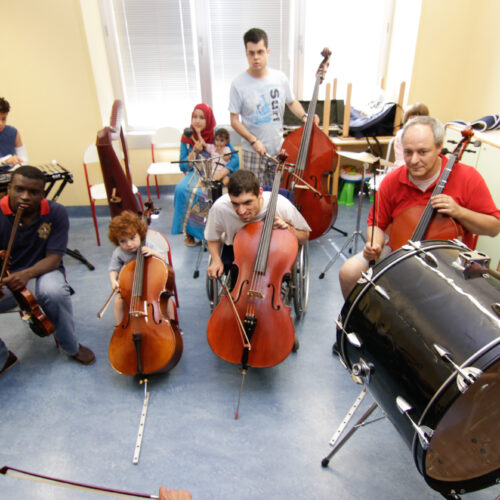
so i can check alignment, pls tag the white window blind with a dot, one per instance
(157, 56)
(229, 20)
(168, 55)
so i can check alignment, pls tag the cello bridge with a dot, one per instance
(255, 293)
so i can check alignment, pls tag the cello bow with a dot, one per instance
(22, 474)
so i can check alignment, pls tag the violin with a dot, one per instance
(148, 340)
(252, 325)
(314, 156)
(30, 309)
(424, 223)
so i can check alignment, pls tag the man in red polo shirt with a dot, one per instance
(465, 198)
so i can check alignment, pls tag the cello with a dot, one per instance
(313, 154)
(30, 310)
(252, 325)
(424, 223)
(148, 340)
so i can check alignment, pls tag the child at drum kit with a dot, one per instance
(127, 231)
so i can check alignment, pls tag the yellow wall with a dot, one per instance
(47, 80)
(47, 75)
(457, 64)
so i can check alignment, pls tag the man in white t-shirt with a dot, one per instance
(257, 104)
(246, 202)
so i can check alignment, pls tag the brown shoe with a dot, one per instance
(11, 361)
(84, 355)
(189, 241)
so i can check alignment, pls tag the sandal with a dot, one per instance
(189, 241)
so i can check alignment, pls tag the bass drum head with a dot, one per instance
(465, 446)
(392, 325)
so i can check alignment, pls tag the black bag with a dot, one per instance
(381, 123)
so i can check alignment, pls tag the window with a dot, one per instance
(168, 55)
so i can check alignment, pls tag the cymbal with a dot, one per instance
(363, 157)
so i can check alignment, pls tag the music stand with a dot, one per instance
(205, 166)
(366, 159)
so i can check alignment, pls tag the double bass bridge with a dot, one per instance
(255, 293)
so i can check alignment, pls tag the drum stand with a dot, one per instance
(360, 423)
(357, 233)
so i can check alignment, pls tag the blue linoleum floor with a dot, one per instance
(80, 423)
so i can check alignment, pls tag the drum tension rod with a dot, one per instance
(428, 257)
(465, 376)
(352, 337)
(424, 433)
(367, 277)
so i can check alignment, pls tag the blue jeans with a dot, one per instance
(53, 293)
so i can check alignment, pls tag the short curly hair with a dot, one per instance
(4, 105)
(128, 224)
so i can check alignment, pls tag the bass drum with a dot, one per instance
(423, 333)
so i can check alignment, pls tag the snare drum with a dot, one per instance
(422, 329)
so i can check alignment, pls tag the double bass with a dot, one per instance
(314, 156)
(424, 223)
(148, 340)
(252, 325)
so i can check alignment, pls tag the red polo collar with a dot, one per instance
(5, 207)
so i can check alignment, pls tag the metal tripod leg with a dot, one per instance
(198, 258)
(352, 430)
(351, 238)
(355, 234)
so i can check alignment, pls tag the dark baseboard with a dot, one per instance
(103, 210)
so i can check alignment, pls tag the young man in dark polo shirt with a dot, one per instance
(36, 259)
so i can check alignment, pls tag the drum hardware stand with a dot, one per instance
(357, 233)
(360, 423)
(78, 256)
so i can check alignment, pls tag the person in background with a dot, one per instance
(465, 197)
(246, 202)
(12, 150)
(127, 231)
(220, 147)
(256, 106)
(190, 200)
(417, 109)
